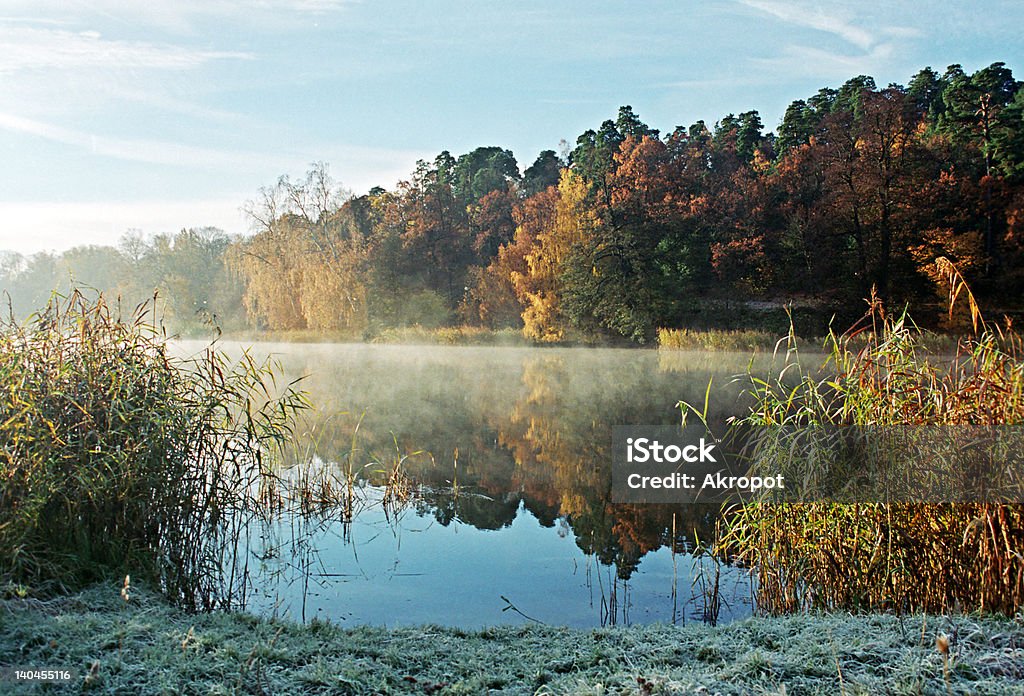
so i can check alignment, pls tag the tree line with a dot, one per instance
(857, 193)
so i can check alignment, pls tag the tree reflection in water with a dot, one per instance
(507, 432)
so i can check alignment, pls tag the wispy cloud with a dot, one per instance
(871, 44)
(835, 20)
(814, 17)
(807, 61)
(361, 166)
(7, 19)
(35, 48)
(178, 15)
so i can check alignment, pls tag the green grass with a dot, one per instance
(145, 646)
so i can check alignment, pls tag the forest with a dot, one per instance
(858, 191)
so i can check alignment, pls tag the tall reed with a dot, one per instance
(887, 556)
(116, 456)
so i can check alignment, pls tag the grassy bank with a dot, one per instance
(146, 646)
(755, 340)
(408, 335)
(453, 336)
(671, 339)
(736, 340)
(713, 339)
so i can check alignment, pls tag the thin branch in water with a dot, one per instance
(513, 607)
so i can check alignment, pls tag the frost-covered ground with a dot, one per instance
(145, 646)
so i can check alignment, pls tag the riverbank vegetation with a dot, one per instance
(877, 556)
(119, 458)
(626, 232)
(750, 340)
(409, 335)
(145, 646)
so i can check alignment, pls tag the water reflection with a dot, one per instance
(509, 518)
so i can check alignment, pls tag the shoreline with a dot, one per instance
(147, 646)
(747, 341)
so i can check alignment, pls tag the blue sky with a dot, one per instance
(118, 114)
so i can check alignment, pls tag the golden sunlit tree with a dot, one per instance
(492, 299)
(539, 286)
(302, 266)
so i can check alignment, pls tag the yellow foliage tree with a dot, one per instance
(333, 298)
(493, 299)
(267, 264)
(539, 286)
(303, 265)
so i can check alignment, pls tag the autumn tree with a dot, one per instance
(492, 222)
(492, 299)
(303, 263)
(188, 272)
(867, 156)
(539, 286)
(594, 155)
(812, 253)
(437, 235)
(619, 279)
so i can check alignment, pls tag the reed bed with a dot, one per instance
(717, 339)
(759, 341)
(902, 556)
(314, 487)
(117, 458)
(452, 336)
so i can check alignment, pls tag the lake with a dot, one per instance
(506, 457)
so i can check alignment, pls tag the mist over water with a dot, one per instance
(508, 451)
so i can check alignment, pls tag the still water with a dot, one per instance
(507, 457)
